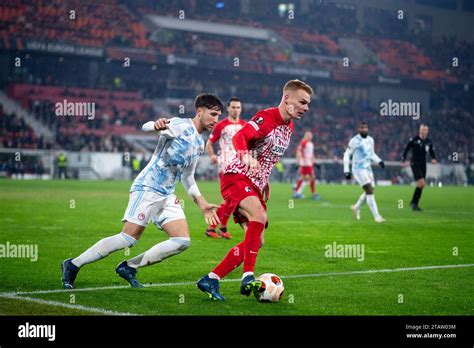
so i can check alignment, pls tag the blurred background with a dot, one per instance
(135, 61)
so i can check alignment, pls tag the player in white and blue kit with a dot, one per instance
(361, 149)
(152, 195)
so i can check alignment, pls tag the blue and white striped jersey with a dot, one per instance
(174, 159)
(362, 152)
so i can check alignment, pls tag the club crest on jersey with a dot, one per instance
(247, 189)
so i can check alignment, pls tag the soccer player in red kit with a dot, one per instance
(305, 158)
(223, 132)
(259, 146)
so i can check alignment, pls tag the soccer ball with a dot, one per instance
(272, 288)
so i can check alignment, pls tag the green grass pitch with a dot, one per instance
(65, 217)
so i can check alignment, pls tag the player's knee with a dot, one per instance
(131, 241)
(183, 242)
(132, 230)
(260, 216)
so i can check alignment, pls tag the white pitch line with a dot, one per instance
(388, 270)
(64, 305)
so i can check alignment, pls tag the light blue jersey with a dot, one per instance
(175, 158)
(362, 152)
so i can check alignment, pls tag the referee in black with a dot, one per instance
(419, 146)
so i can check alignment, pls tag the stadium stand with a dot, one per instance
(125, 99)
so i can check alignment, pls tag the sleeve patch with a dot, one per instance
(259, 120)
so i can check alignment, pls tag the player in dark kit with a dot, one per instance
(419, 146)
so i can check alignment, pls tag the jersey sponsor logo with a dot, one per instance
(278, 150)
(259, 120)
(281, 140)
(176, 201)
(141, 216)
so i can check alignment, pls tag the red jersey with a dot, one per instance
(223, 132)
(306, 151)
(266, 137)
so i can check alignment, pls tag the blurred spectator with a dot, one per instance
(61, 165)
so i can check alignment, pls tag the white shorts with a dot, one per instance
(144, 206)
(364, 177)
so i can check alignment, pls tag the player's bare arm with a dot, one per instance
(210, 152)
(298, 152)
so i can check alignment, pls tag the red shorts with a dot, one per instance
(307, 170)
(235, 188)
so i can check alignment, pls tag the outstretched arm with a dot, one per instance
(191, 187)
(189, 183)
(156, 126)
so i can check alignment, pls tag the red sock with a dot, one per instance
(224, 212)
(231, 261)
(298, 184)
(252, 244)
(312, 186)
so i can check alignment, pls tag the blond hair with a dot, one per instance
(297, 84)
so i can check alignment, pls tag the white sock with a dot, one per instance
(373, 206)
(360, 202)
(103, 248)
(303, 184)
(160, 251)
(246, 274)
(212, 275)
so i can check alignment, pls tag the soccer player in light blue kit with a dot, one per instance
(361, 148)
(152, 195)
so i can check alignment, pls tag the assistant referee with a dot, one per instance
(419, 146)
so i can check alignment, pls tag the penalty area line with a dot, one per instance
(13, 296)
(296, 276)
